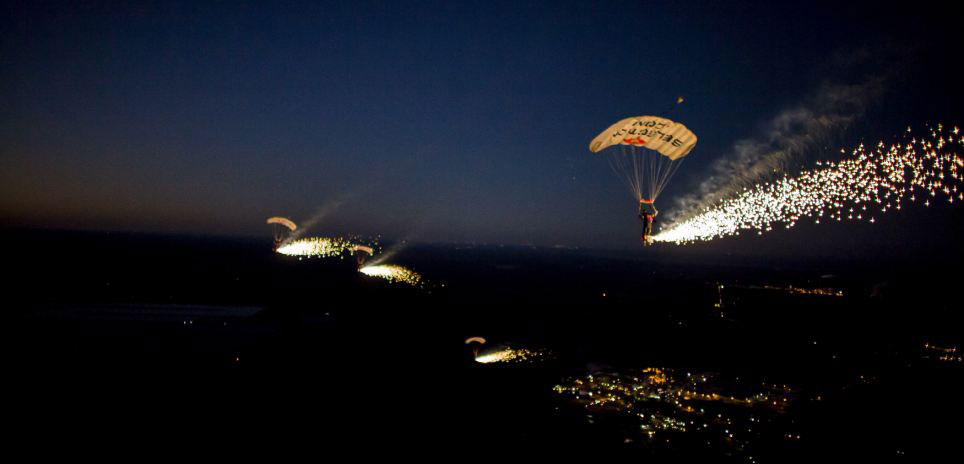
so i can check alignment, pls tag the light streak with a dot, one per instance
(322, 247)
(394, 273)
(507, 354)
(337, 247)
(871, 182)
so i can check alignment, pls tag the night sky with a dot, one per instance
(436, 122)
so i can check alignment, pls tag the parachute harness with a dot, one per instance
(651, 149)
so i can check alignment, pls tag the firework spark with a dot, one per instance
(394, 273)
(511, 355)
(871, 182)
(322, 247)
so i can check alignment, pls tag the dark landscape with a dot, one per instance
(165, 336)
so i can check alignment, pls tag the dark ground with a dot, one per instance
(157, 342)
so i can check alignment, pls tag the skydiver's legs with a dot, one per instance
(648, 229)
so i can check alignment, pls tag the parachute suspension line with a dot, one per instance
(660, 176)
(640, 172)
(620, 165)
(662, 168)
(653, 167)
(650, 172)
(623, 164)
(646, 173)
(650, 175)
(670, 171)
(655, 163)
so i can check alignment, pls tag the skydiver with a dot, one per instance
(647, 214)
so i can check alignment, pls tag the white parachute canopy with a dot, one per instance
(650, 150)
(282, 221)
(282, 228)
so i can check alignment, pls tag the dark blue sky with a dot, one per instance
(447, 121)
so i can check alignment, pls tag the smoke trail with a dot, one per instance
(859, 77)
(321, 213)
(787, 137)
(390, 252)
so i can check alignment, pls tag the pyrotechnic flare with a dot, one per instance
(394, 273)
(323, 247)
(326, 247)
(511, 355)
(871, 182)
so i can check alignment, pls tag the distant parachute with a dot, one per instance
(283, 221)
(476, 343)
(650, 150)
(364, 249)
(362, 253)
(282, 226)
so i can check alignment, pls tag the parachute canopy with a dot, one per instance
(479, 340)
(363, 248)
(282, 221)
(650, 149)
(670, 139)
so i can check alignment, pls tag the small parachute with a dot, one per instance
(362, 253)
(283, 221)
(476, 343)
(364, 249)
(282, 227)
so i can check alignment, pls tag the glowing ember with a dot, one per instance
(393, 273)
(873, 181)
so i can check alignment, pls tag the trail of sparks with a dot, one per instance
(337, 247)
(511, 355)
(394, 273)
(871, 182)
(322, 247)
